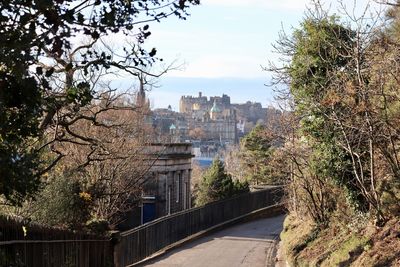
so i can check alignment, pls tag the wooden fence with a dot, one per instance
(139, 243)
(27, 244)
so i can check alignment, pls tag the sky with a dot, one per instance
(221, 48)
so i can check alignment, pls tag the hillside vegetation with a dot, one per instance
(342, 138)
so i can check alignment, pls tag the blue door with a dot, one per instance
(149, 212)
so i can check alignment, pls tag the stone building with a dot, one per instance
(189, 104)
(250, 111)
(210, 123)
(218, 124)
(166, 123)
(167, 184)
(170, 175)
(247, 114)
(214, 116)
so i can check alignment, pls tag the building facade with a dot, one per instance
(189, 104)
(246, 115)
(166, 187)
(213, 116)
(169, 178)
(210, 123)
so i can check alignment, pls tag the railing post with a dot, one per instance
(116, 248)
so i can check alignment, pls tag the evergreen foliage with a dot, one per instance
(322, 54)
(62, 203)
(256, 152)
(216, 185)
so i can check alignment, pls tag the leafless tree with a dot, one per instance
(355, 100)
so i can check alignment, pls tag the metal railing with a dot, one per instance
(44, 246)
(141, 242)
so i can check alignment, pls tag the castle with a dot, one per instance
(209, 122)
(189, 104)
(246, 115)
(210, 119)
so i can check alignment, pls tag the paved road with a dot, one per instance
(249, 244)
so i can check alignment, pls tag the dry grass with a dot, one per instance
(294, 234)
(385, 247)
(339, 246)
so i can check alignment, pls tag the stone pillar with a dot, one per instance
(168, 185)
(162, 196)
(188, 188)
(184, 189)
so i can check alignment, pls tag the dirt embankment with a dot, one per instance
(355, 244)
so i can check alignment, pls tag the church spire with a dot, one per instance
(141, 99)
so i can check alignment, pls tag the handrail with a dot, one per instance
(166, 217)
(141, 242)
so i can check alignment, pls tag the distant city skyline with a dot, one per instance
(223, 45)
(183, 86)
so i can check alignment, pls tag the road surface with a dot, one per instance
(250, 244)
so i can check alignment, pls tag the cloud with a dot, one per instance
(287, 5)
(219, 66)
(265, 4)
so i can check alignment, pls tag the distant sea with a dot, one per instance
(203, 162)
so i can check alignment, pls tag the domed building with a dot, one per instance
(215, 112)
(172, 129)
